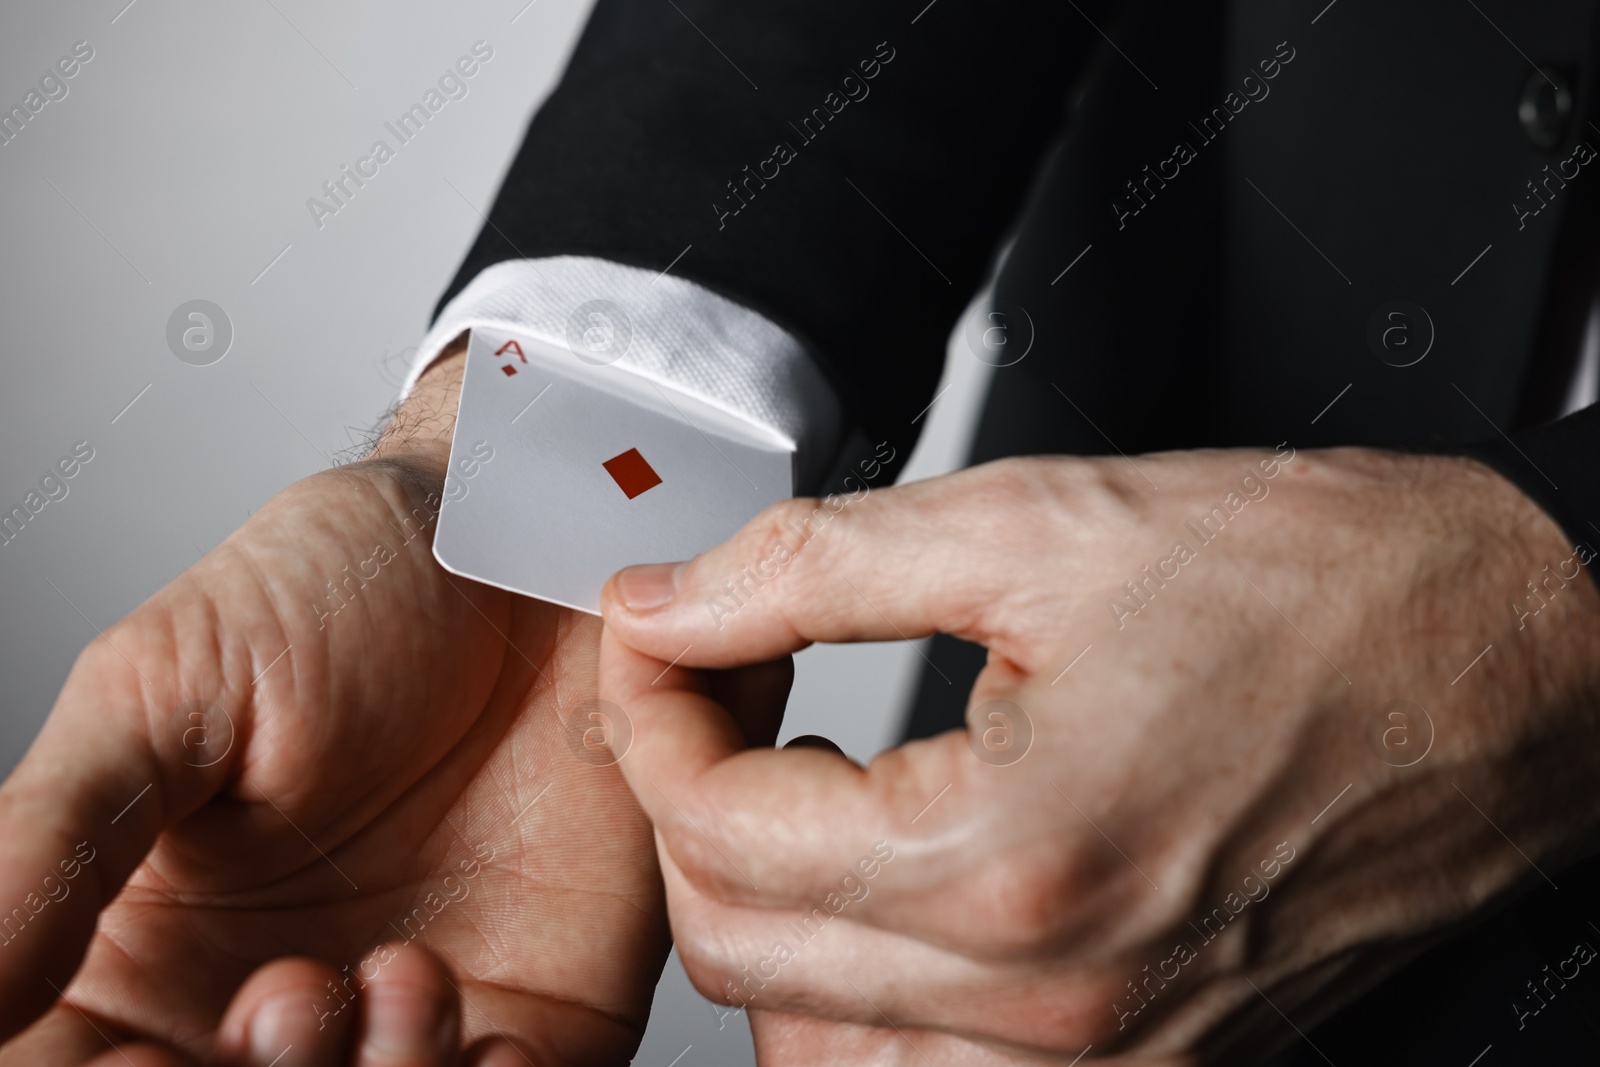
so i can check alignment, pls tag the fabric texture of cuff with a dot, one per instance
(668, 330)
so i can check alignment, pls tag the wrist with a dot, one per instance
(1546, 563)
(1515, 570)
(422, 424)
(1546, 613)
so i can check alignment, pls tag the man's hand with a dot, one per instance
(1245, 743)
(313, 742)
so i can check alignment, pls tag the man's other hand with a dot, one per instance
(1255, 728)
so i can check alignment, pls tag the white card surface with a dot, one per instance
(563, 472)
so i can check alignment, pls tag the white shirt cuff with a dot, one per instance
(665, 329)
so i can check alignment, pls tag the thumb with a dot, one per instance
(883, 565)
(98, 785)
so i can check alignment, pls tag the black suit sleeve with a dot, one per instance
(889, 144)
(1558, 465)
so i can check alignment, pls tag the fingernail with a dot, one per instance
(279, 1025)
(502, 1053)
(405, 1026)
(649, 586)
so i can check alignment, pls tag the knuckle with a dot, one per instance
(699, 852)
(706, 956)
(1023, 902)
(1014, 477)
(782, 525)
(1002, 486)
(1013, 499)
(132, 660)
(710, 979)
(774, 539)
(692, 936)
(105, 656)
(785, 545)
(1069, 1011)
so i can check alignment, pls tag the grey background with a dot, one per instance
(178, 168)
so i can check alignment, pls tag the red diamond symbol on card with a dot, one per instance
(632, 473)
(508, 370)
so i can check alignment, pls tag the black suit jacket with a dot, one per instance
(1236, 222)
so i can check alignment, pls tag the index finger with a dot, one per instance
(894, 564)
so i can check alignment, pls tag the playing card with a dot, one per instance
(562, 472)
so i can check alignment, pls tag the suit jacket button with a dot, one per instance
(1546, 107)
